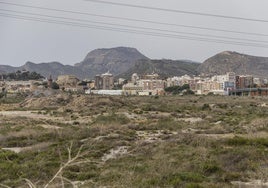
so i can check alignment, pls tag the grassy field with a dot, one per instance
(101, 141)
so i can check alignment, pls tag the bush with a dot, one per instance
(205, 107)
(240, 141)
(55, 85)
(112, 118)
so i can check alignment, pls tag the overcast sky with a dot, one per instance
(24, 40)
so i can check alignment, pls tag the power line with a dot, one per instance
(124, 30)
(135, 27)
(137, 20)
(178, 11)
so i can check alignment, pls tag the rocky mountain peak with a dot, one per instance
(116, 60)
(115, 53)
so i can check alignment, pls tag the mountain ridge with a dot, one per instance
(123, 61)
(164, 67)
(230, 61)
(116, 60)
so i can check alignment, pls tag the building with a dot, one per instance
(67, 81)
(108, 81)
(19, 86)
(104, 81)
(228, 77)
(132, 89)
(243, 81)
(148, 85)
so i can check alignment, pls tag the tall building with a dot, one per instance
(104, 81)
(98, 82)
(108, 81)
(242, 81)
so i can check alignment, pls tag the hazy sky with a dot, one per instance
(24, 40)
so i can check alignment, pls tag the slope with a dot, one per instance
(165, 68)
(232, 61)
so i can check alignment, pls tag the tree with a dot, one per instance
(55, 85)
(185, 89)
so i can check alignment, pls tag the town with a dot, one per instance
(143, 85)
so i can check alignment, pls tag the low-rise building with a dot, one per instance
(67, 81)
(148, 85)
(132, 89)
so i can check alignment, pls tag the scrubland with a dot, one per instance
(164, 141)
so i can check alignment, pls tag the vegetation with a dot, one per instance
(165, 141)
(22, 75)
(55, 85)
(184, 90)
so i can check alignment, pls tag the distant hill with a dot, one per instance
(124, 61)
(45, 69)
(8, 69)
(165, 68)
(22, 75)
(232, 61)
(116, 60)
(53, 68)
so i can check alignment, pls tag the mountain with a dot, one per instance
(53, 68)
(45, 69)
(165, 68)
(124, 61)
(115, 60)
(7, 69)
(232, 61)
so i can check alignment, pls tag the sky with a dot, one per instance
(72, 35)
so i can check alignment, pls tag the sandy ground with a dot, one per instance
(28, 114)
(251, 184)
(36, 147)
(114, 153)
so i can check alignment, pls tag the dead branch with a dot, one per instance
(70, 161)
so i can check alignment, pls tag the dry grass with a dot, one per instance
(170, 141)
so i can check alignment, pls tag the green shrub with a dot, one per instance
(112, 118)
(205, 107)
(240, 141)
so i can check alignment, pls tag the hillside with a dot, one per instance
(53, 68)
(164, 68)
(8, 69)
(45, 69)
(232, 61)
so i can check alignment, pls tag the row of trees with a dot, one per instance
(22, 75)
(175, 90)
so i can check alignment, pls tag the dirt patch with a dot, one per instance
(36, 147)
(46, 126)
(30, 114)
(191, 119)
(152, 136)
(251, 184)
(115, 153)
(15, 149)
